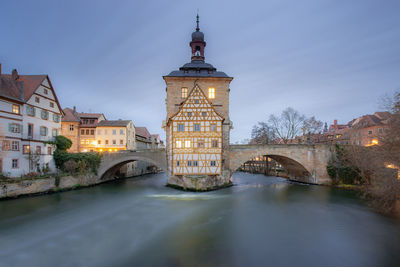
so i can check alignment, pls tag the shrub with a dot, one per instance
(70, 166)
(82, 167)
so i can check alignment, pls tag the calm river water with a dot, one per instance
(262, 221)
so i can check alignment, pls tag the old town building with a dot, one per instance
(115, 135)
(197, 124)
(30, 116)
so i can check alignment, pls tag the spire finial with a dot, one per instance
(197, 21)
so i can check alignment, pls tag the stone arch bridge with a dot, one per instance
(304, 163)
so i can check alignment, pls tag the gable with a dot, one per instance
(198, 105)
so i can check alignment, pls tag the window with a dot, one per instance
(54, 132)
(196, 127)
(49, 150)
(37, 99)
(189, 114)
(121, 132)
(30, 130)
(91, 121)
(211, 93)
(25, 149)
(369, 132)
(195, 163)
(114, 142)
(38, 150)
(45, 91)
(213, 127)
(44, 115)
(187, 143)
(15, 146)
(121, 142)
(82, 132)
(380, 130)
(213, 163)
(200, 144)
(14, 128)
(71, 127)
(196, 101)
(43, 131)
(180, 127)
(85, 121)
(184, 92)
(106, 142)
(189, 163)
(105, 131)
(178, 144)
(56, 118)
(99, 142)
(114, 132)
(30, 111)
(6, 145)
(92, 132)
(215, 143)
(87, 131)
(15, 109)
(83, 142)
(177, 163)
(14, 164)
(51, 104)
(204, 114)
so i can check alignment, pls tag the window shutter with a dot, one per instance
(20, 128)
(34, 111)
(9, 127)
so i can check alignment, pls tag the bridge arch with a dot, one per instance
(304, 163)
(112, 162)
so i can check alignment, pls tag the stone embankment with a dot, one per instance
(15, 188)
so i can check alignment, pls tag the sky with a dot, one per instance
(333, 59)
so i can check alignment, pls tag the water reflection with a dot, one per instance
(261, 221)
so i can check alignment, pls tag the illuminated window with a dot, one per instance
(106, 142)
(213, 163)
(215, 143)
(121, 142)
(180, 127)
(213, 127)
(26, 149)
(178, 144)
(15, 109)
(184, 92)
(187, 143)
(196, 127)
(211, 92)
(99, 142)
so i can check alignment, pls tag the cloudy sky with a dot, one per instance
(330, 58)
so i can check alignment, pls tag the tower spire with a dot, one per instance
(197, 21)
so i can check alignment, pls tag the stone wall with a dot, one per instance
(11, 189)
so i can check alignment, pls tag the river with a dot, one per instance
(261, 221)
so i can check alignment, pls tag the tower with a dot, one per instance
(197, 124)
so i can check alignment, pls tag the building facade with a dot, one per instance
(115, 135)
(30, 116)
(197, 96)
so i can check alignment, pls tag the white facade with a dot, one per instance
(25, 131)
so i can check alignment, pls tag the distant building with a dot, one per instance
(30, 115)
(143, 138)
(115, 135)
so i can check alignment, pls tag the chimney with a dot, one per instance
(22, 90)
(74, 109)
(0, 68)
(335, 124)
(14, 74)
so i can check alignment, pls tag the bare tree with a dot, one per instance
(312, 125)
(288, 125)
(262, 133)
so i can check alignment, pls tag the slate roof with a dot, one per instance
(116, 123)
(197, 68)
